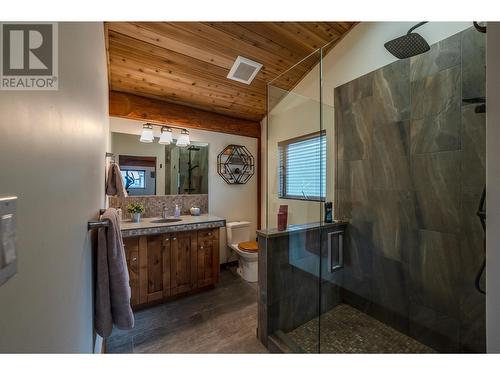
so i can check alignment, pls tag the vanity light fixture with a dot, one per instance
(183, 140)
(166, 135)
(147, 134)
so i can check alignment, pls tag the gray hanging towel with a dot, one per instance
(114, 184)
(112, 304)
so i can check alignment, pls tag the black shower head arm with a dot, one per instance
(481, 29)
(417, 26)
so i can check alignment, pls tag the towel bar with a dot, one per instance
(93, 224)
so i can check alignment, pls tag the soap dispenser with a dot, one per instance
(177, 211)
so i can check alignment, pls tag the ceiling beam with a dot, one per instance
(136, 107)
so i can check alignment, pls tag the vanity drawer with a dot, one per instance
(208, 234)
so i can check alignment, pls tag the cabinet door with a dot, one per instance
(183, 245)
(167, 265)
(131, 245)
(154, 257)
(207, 257)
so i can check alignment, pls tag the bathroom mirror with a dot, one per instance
(155, 169)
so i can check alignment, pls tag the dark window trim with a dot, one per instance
(137, 161)
(281, 165)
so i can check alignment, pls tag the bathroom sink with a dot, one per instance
(168, 220)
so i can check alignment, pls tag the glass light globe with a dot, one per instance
(166, 136)
(183, 140)
(147, 134)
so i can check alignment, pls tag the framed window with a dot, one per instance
(139, 174)
(134, 179)
(302, 167)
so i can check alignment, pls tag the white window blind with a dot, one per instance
(302, 169)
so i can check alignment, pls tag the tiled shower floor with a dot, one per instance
(347, 330)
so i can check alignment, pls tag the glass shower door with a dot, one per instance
(296, 181)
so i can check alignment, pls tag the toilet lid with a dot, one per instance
(250, 246)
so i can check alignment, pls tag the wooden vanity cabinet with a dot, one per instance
(131, 245)
(166, 265)
(154, 268)
(207, 261)
(184, 248)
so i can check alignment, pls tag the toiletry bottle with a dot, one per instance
(282, 217)
(177, 212)
(328, 212)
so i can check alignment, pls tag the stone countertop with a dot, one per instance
(274, 232)
(147, 227)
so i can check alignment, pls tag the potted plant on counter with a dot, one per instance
(135, 210)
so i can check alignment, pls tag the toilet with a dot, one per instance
(238, 239)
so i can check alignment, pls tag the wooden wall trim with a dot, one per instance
(141, 108)
(137, 161)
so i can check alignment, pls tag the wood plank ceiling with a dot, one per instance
(187, 62)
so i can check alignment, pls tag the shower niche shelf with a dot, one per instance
(235, 164)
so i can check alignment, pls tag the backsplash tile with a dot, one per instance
(154, 204)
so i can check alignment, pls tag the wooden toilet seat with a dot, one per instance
(248, 246)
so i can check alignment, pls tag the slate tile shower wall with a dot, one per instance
(410, 172)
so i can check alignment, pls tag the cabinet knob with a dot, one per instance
(174, 238)
(134, 259)
(201, 247)
(209, 233)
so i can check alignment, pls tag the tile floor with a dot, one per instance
(221, 320)
(347, 330)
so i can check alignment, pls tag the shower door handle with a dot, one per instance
(335, 263)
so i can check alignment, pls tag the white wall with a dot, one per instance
(265, 173)
(52, 147)
(492, 188)
(360, 52)
(231, 202)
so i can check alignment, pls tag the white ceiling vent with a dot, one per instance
(244, 70)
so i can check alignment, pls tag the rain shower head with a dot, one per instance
(408, 45)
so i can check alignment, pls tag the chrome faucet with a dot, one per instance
(164, 212)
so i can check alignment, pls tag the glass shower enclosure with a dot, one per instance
(400, 152)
